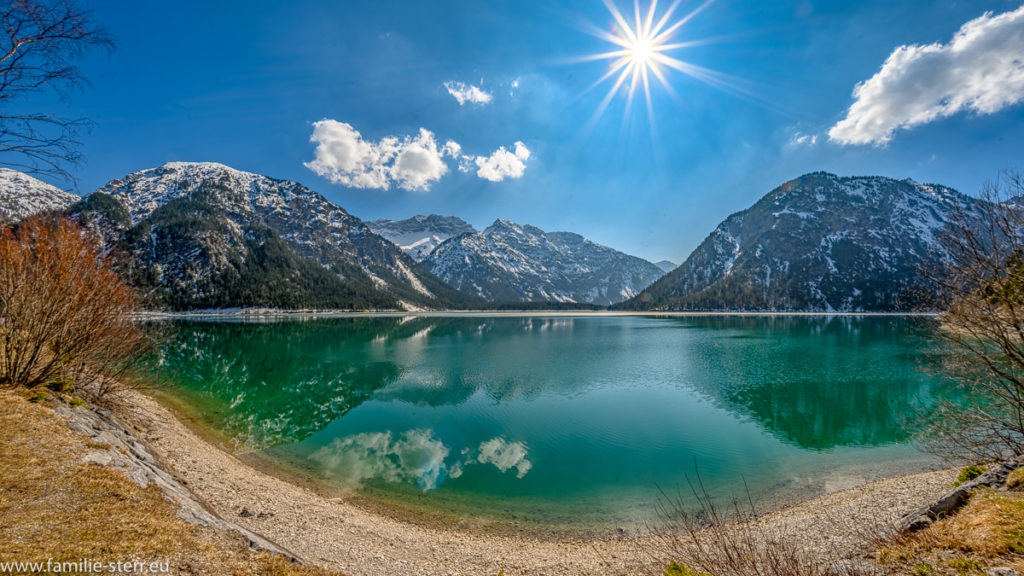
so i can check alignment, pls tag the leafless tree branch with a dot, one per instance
(39, 40)
(983, 326)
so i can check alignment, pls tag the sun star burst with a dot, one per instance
(641, 52)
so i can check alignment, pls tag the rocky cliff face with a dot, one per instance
(818, 243)
(509, 262)
(205, 235)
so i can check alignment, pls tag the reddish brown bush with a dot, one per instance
(65, 315)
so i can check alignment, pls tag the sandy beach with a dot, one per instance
(340, 534)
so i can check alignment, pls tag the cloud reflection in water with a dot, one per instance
(414, 456)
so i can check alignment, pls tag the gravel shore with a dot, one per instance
(337, 533)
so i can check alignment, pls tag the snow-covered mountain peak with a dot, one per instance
(144, 191)
(420, 235)
(666, 265)
(503, 226)
(501, 223)
(819, 242)
(207, 166)
(203, 230)
(22, 195)
(511, 262)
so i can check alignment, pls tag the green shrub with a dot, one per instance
(61, 387)
(37, 397)
(924, 570)
(675, 569)
(969, 473)
(965, 565)
(76, 402)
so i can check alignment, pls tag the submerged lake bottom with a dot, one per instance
(563, 422)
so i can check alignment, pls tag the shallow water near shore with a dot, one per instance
(563, 421)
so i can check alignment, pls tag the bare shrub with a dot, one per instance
(65, 315)
(734, 541)
(983, 327)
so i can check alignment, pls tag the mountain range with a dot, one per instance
(510, 262)
(818, 243)
(420, 235)
(203, 235)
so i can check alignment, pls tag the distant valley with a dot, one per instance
(420, 235)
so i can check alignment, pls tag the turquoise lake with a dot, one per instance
(563, 421)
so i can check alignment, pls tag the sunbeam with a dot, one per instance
(642, 47)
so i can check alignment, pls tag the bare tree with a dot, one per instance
(65, 314)
(983, 327)
(38, 43)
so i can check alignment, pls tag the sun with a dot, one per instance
(641, 51)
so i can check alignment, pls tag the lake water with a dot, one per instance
(563, 421)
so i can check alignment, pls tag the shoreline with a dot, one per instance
(344, 534)
(261, 313)
(399, 509)
(405, 509)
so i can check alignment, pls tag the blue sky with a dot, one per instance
(245, 84)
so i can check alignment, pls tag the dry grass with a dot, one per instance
(55, 505)
(1015, 481)
(988, 532)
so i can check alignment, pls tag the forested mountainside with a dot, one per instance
(817, 243)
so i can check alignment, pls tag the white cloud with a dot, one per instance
(419, 162)
(345, 158)
(981, 70)
(502, 163)
(409, 162)
(452, 148)
(412, 162)
(467, 93)
(801, 139)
